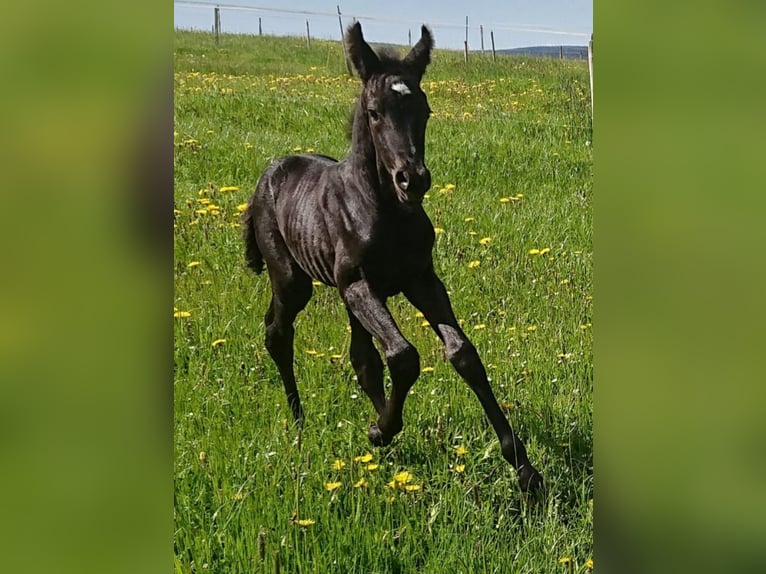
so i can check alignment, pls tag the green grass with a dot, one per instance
(517, 130)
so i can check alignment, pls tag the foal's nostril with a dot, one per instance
(402, 180)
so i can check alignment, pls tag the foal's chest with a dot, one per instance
(399, 252)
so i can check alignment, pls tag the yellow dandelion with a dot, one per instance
(485, 240)
(565, 559)
(339, 464)
(589, 564)
(403, 477)
(305, 522)
(474, 264)
(391, 484)
(366, 457)
(534, 251)
(361, 483)
(316, 283)
(459, 468)
(479, 326)
(203, 200)
(336, 357)
(438, 230)
(461, 450)
(297, 148)
(238, 496)
(418, 315)
(532, 328)
(472, 233)
(425, 324)
(193, 264)
(229, 188)
(505, 200)
(330, 486)
(469, 219)
(427, 370)
(373, 466)
(242, 207)
(203, 456)
(218, 342)
(181, 314)
(200, 211)
(311, 352)
(411, 487)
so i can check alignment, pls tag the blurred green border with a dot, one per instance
(679, 182)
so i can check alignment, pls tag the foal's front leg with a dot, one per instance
(401, 357)
(430, 297)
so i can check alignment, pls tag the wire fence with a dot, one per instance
(331, 26)
(469, 36)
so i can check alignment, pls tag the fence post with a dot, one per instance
(465, 44)
(590, 72)
(409, 37)
(217, 23)
(561, 52)
(492, 37)
(481, 33)
(308, 36)
(342, 43)
(260, 27)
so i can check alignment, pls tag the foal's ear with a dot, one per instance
(364, 59)
(420, 55)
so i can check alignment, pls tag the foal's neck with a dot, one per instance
(363, 158)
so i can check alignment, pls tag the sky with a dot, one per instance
(515, 23)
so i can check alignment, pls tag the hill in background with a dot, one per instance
(569, 52)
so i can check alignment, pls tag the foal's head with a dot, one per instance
(396, 111)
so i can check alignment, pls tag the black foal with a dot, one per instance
(359, 225)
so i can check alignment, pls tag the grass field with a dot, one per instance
(509, 149)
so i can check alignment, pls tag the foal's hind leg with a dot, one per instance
(367, 363)
(290, 291)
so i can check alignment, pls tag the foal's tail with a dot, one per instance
(253, 256)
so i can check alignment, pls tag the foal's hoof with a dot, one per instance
(530, 481)
(377, 437)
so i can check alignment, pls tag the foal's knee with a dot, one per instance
(466, 361)
(404, 364)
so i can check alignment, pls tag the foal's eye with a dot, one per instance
(374, 116)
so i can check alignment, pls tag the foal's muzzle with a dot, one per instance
(411, 183)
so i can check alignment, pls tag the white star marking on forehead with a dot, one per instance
(401, 87)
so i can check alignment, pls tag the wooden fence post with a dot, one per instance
(465, 44)
(217, 23)
(481, 33)
(308, 36)
(590, 72)
(342, 43)
(492, 37)
(260, 27)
